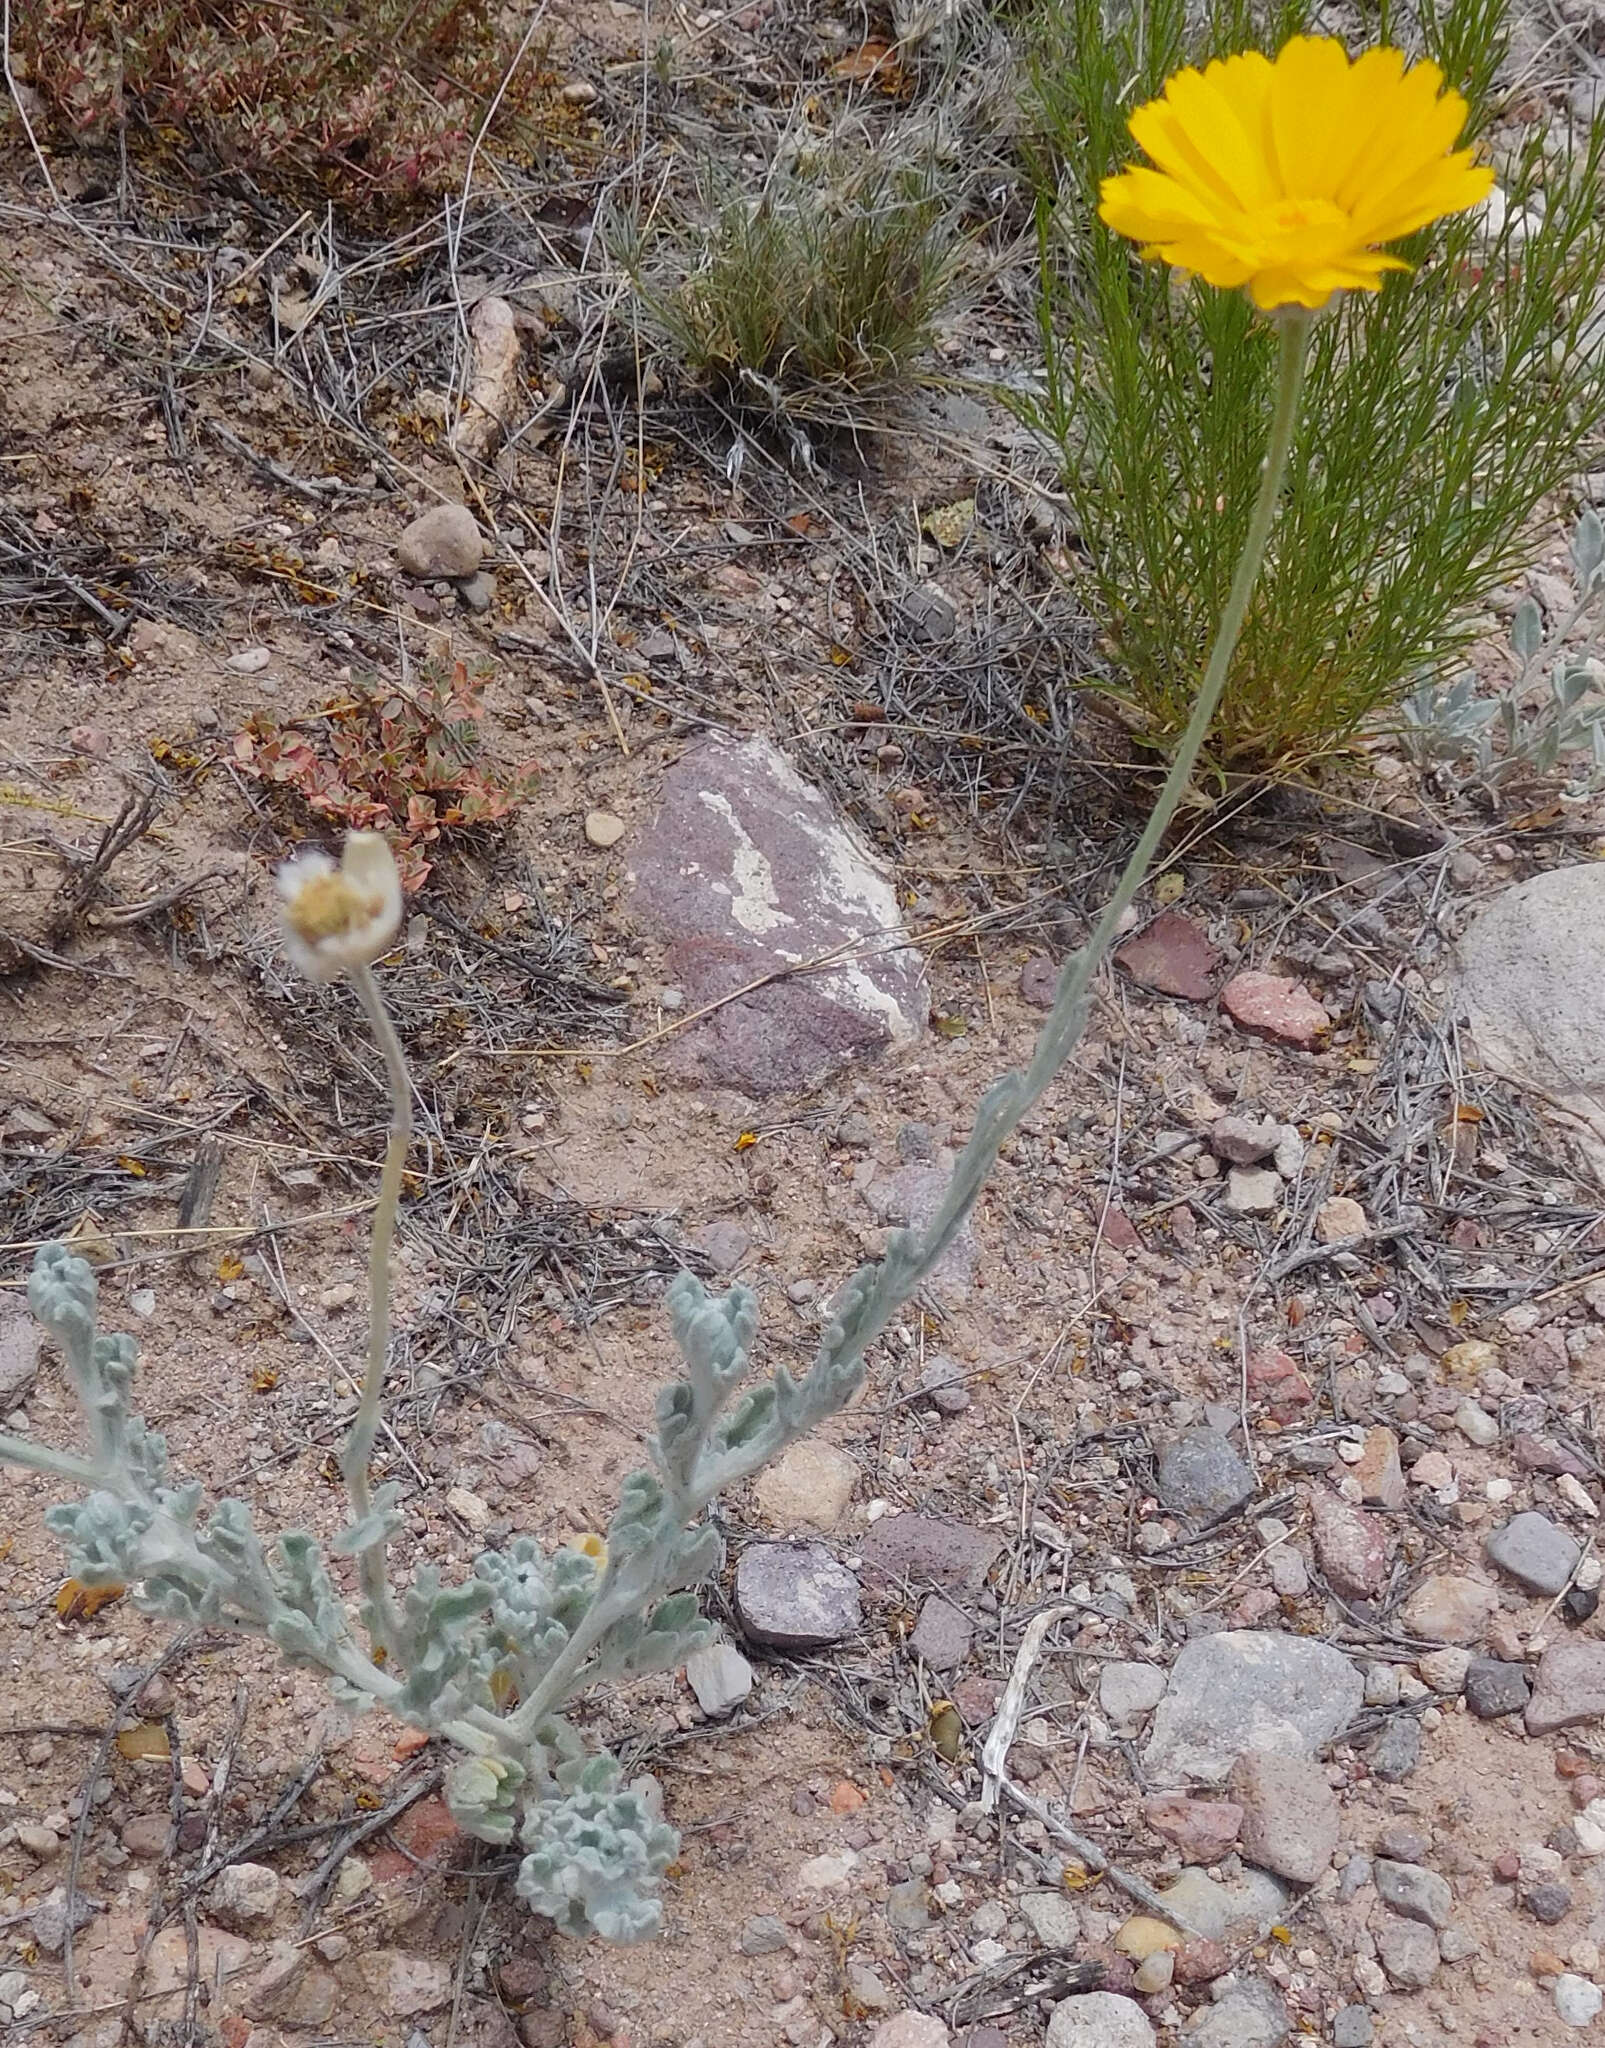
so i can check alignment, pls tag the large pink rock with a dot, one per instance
(756, 883)
(1275, 1006)
(1174, 956)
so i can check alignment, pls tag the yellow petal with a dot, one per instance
(1210, 109)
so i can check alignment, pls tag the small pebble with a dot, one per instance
(1549, 1903)
(603, 828)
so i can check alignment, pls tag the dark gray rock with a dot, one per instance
(1548, 1903)
(924, 1551)
(1248, 1689)
(748, 870)
(1493, 1688)
(1396, 1751)
(943, 1634)
(1532, 1551)
(1201, 1475)
(795, 1596)
(929, 615)
(1351, 2028)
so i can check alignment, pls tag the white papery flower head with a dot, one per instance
(338, 918)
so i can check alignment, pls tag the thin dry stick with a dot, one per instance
(1092, 1856)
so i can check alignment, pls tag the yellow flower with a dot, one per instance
(1287, 176)
(338, 918)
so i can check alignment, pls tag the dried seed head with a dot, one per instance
(339, 918)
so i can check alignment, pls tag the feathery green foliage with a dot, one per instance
(818, 292)
(1437, 415)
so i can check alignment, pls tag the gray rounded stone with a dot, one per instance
(444, 541)
(1408, 1952)
(1535, 1553)
(1248, 1689)
(943, 1634)
(1099, 2019)
(1417, 1893)
(1250, 2014)
(1570, 1687)
(1396, 1751)
(1291, 1820)
(795, 1596)
(1531, 965)
(1201, 1475)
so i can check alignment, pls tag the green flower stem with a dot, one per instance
(888, 1287)
(1293, 325)
(358, 1452)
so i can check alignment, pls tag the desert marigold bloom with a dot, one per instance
(338, 918)
(1287, 176)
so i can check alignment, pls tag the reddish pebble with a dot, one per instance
(1172, 956)
(1039, 981)
(1543, 1962)
(1569, 1764)
(1203, 1829)
(1507, 1866)
(1200, 1962)
(1585, 1790)
(846, 1798)
(235, 2029)
(1119, 1974)
(1273, 1006)
(428, 1831)
(409, 1743)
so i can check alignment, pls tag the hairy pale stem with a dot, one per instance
(358, 1452)
(15, 1450)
